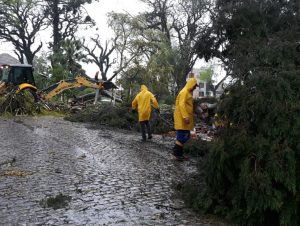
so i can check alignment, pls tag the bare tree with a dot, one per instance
(104, 59)
(114, 54)
(20, 22)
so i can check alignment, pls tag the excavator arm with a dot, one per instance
(79, 81)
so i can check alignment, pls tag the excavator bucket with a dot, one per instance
(109, 85)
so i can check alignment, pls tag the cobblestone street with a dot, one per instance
(109, 176)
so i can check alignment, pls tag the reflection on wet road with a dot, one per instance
(110, 176)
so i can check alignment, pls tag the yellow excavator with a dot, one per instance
(19, 77)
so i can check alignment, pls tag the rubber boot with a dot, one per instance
(178, 152)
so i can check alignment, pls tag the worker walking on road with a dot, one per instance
(184, 117)
(143, 102)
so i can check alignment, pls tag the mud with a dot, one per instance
(108, 176)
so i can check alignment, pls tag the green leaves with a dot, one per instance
(206, 74)
(252, 167)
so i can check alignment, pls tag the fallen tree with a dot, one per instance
(23, 103)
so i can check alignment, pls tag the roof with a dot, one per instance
(5, 58)
(17, 65)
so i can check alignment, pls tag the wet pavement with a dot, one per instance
(109, 177)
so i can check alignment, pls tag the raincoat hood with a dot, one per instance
(190, 84)
(144, 88)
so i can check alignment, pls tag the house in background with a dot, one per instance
(5, 58)
(205, 88)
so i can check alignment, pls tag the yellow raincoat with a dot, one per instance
(184, 107)
(143, 101)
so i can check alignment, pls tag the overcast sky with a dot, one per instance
(98, 10)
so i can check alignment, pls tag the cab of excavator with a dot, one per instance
(16, 74)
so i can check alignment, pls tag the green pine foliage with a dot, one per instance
(252, 172)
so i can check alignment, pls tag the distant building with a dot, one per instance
(5, 58)
(205, 88)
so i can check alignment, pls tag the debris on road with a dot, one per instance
(16, 173)
(58, 202)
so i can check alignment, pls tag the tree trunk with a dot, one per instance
(55, 24)
(180, 75)
(29, 56)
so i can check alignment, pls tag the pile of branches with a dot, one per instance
(121, 116)
(23, 103)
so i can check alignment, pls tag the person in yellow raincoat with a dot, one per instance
(143, 102)
(184, 117)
